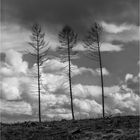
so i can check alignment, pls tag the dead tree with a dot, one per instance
(67, 38)
(39, 50)
(92, 43)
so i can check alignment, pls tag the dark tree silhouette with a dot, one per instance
(67, 38)
(39, 50)
(92, 43)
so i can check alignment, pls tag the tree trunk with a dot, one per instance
(70, 85)
(101, 72)
(38, 73)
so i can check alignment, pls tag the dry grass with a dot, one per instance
(114, 128)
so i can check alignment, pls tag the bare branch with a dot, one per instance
(32, 45)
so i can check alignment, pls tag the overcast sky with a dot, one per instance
(120, 56)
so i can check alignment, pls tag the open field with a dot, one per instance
(114, 128)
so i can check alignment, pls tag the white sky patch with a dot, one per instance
(79, 47)
(10, 89)
(13, 107)
(113, 28)
(50, 79)
(123, 33)
(6, 70)
(132, 82)
(124, 36)
(109, 47)
(88, 106)
(55, 66)
(14, 59)
(104, 71)
(128, 76)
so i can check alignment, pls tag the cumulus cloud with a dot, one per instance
(14, 81)
(20, 96)
(18, 108)
(13, 75)
(10, 89)
(109, 47)
(87, 100)
(123, 33)
(56, 66)
(128, 76)
(13, 64)
(112, 28)
(87, 96)
(14, 59)
(115, 101)
(132, 82)
(104, 71)
(88, 106)
(111, 32)
(6, 70)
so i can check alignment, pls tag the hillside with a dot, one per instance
(114, 128)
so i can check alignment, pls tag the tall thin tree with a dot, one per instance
(68, 38)
(39, 51)
(92, 43)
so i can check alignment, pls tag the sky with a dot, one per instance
(120, 57)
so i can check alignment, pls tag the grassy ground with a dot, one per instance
(114, 128)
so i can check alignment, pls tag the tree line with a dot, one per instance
(68, 39)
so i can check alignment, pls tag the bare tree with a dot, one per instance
(39, 50)
(68, 38)
(92, 43)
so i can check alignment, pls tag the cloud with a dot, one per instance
(18, 17)
(85, 97)
(105, 47)
(109, 47)
(129, 34)
(14, 83)
(122, 33)
(13, 76)
(13, 65)
(115, 101)
(88, 106)
(87, 100)
(18, 108)
(56, 66)
(14, 59)
(132, 82)
(128, 76)
(19, 92)
(10, 89)
(104, 71)
(6, 70)
(112, 28)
